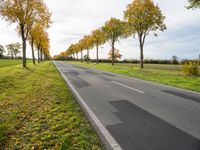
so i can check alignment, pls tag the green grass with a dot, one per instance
(8, 62)
(165, 74)
(38, 111)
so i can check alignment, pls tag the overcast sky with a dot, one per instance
(72, 19)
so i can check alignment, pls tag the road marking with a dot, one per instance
(128, 87)
(113, 144)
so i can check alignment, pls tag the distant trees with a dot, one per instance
(13, 49)
(193, 4)
(143, 17)
(2, 50)
(140, 18)
(25, 13)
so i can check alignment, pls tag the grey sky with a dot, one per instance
(72, 19)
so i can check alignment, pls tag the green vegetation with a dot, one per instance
(7, 62)
(191, 68)
(37, 111)
(166, 74)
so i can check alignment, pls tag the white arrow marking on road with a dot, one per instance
(128, 87)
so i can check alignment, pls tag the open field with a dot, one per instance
(165, 74)
(37, 111)
(8, 62)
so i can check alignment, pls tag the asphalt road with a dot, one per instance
(139, 115)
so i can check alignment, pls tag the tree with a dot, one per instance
(13, 49)
(98, 38)
(88, 44)
(113, 30)
(24, 13)
(193, 4)
(1, 51)
(143, 17)
(117, 55)
(42, 43)
(174, 60)
(32, 37)
(81, 46)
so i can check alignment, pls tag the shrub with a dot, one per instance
(191, 68)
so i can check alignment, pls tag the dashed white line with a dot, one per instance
(128, 87)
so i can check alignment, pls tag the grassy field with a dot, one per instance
(37, 111)
(7, 62)
(165, 74)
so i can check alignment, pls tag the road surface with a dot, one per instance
(139, 115)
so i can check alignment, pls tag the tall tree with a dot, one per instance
(98, 38)
(2, 50)
(41, 42)
(13, 49)
(193, 4)
(32, 37)
(88, 45)
(81, 48)
(143, 17)
(24, 13)
(113, 29)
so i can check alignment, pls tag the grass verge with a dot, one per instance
(165, 74)
(38, 111)
(8, 62)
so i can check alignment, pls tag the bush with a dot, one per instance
(191, 68)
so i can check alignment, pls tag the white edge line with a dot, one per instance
(139, 91)
(112, 142)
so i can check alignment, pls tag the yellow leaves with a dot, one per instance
(144, 16)
(113, 29)
(98, 37)
(193, 4)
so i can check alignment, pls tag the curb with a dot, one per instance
(106, 138)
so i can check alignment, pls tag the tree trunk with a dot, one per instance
(141, 50)
(33, 55)
(97, 61)
(77, 56)
(41, 56)
(81, 56)
(38, 55)
(141, 53)
(113, 53)
(88, 55)
(23, 46)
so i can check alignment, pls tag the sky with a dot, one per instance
(72, 19)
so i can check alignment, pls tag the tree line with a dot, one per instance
(32, 18)
(13, 49)
(141, 18)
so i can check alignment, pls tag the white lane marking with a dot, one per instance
(128, 87)
(110, 139)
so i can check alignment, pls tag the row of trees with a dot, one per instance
(32, 18)
(13, 50)
(140, 18)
